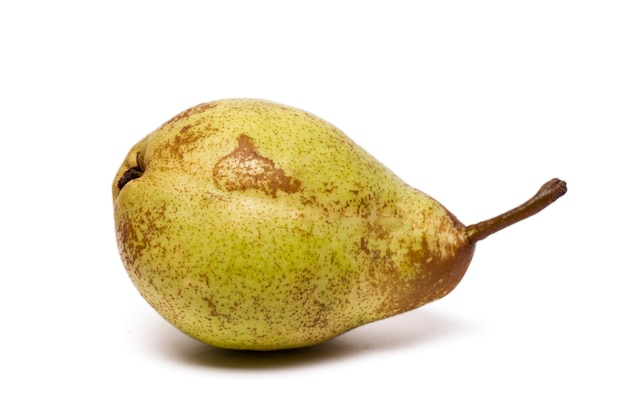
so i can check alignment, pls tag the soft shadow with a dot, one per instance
(407, 331)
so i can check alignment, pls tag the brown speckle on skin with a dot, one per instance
(244, 168)
(212, 307)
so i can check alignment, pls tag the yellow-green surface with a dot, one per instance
(259, 226)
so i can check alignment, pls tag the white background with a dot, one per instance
(477, 103)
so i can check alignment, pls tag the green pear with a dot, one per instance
(252, 225)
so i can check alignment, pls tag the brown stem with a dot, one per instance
(132, 173)
(546, 195)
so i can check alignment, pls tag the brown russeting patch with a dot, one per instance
(244, 168)
(190, 112)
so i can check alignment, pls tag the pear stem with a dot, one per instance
(546, 195)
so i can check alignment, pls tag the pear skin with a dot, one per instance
(248, 224)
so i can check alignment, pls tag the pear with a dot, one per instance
(248, 224)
